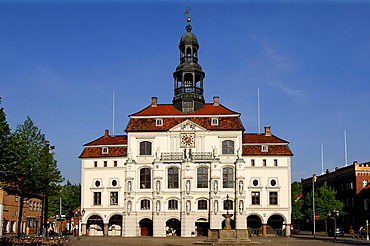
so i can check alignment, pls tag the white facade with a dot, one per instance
(181, 165)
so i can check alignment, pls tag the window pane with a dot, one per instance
(173, 177)
(202, 177)
(202, 205)
(145, 178)
(145, 148)
(228, 177)
(273, 198)
(228, 147)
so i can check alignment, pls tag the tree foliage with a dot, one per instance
(297, 203)
(68, 199)
(325, 200)
(30, 169)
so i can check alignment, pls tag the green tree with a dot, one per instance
(68, 199)
(32, 170)
(297, 202)
(5, 153)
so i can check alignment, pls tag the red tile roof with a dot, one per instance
(109, 140)
(261, 138)
(272, 150)
(93, 152)
(276, 146)
(149, 124)
(169, 109)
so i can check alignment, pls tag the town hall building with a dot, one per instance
(180, 166)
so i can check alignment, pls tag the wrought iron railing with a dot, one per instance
(169, 156)
(201, 155)
(172, 156)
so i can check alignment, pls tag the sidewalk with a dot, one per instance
(303, 239)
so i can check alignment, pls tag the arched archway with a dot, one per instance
(202, 226)
(115, 225)
(95, 226)
(254, 225)
(146, 227)
(275, 225)
(173, 227)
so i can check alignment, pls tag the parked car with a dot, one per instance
(339, 232)
(294, 229)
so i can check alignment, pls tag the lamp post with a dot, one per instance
(334, 214)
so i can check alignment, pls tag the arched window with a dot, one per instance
(228, 177)
(145, 178)
(202, 205)
(202, 177)
(173, 177)
(145, 148)
(227, 147)
(228, 205)
(145, 204)
(173, 204)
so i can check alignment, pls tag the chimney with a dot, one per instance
(106, 134)
(267, 130)
(154, 102)
(215, 101)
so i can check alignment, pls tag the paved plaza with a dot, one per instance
(299, 240)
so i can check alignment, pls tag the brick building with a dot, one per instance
(9, 211)
(352, 185)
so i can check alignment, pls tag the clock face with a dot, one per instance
(187, 140)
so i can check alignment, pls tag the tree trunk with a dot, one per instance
(20, 214)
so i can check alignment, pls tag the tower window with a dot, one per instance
(145, 148)
(188, 104)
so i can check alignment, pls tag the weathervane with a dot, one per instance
(187, 12)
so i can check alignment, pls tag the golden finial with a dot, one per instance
(187, 12)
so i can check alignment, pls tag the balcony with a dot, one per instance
(195, 156)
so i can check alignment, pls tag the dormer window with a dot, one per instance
(214, 121)
(264, 148)
(159, 122)
(104, 150)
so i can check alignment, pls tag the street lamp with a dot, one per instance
(334, 214)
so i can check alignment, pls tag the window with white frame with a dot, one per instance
(214, 121)
(145, 204)
(114, 198)
(273, 195)
(255, 198)
(97, 198)
(159, 122)
(105, 150)
(264, 148)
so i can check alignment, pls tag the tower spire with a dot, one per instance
(188, 77)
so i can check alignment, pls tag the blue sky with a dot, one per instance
(62, 60)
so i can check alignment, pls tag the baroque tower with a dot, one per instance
(188, 77)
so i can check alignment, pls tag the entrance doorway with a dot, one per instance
(173, 227)
(146, 227)
(202, 226)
